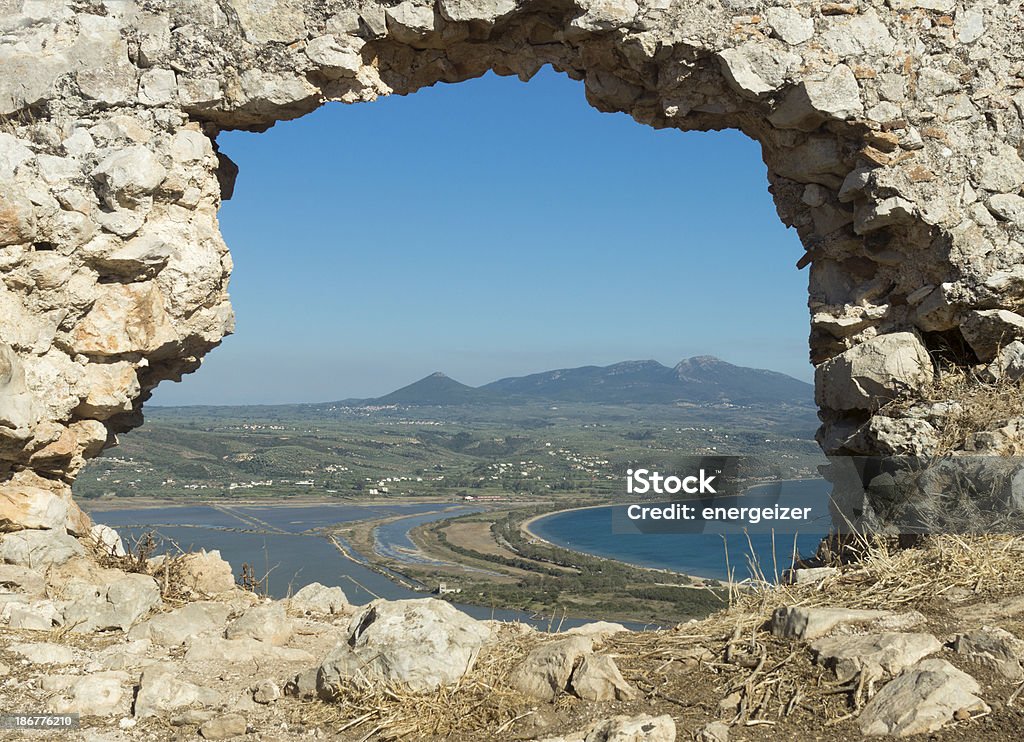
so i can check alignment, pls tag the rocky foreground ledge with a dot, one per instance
(902, 644)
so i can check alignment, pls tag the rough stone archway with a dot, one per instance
(892, 133)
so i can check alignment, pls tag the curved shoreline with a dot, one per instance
(524, 528)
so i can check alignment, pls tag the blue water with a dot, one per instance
(392, 539)
(289, 558)
(710, 555)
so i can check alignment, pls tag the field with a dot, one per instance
(509, 463)
(334, 451)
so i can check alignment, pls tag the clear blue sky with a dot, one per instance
(489, 229)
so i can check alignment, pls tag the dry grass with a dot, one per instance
(481, 704)
(974, 404)
(686, 671)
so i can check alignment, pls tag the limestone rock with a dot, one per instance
(811, 575)
(789, 25)
(597, 630)
(605, 15)
(39, 615)
(598, 679)
(39, 548)
(266, 692)
(205, 573)
(836, 95)
(921, 700)
(174, 628)
(114, 604)
(902, 436)
(716, 731)
(994, 647)
(874, 655)
(44, 653)
(869, 374)
(17, 217)
(317, 598)
(334, 58)
(798, 622)
(22, 580)
(641, 728)
(754, 69)
(267, 623)
(125, 177)
(160, 691)
(546, 670)
(278, 21)
(422, 644)
(223, 727)
(1008, 363)
(463, 11)
(987, 331)
(206, 649)
(95, 694)
(1009, 207)
(107, 539)
(1001, 170)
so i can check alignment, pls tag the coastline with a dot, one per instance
(525, 529)
(150, 503)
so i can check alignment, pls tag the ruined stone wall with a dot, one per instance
(892, 132)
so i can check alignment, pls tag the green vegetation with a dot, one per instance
(339, 451)
(554, 580)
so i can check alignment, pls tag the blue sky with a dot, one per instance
(489, 229)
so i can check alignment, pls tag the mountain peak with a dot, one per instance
(434, 389)
(700, 380)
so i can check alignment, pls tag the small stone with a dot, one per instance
(546, 670)
(799, 622)
(205, 573)
(44, 653)
(716, 731)
(464, 11)
(160, 691)
(873, 655)
(267, 623)
(158, 87)
(423, 644)
(993, 647)
(812, 575)
(1001, 170)
(334, 58)
(266, 692)
(127, 176)
(789, 25)
(921, 700)
(597, 678)
(317, 598)
(987, 331)
(223, 727)
(1008, 207)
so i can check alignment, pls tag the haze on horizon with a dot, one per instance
(493, 229)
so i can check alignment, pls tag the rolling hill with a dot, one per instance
(698, 380)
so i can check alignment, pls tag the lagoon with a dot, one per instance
(719, 556)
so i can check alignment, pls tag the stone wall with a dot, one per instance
(892, 132)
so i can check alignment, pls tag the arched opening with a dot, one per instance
(523, 232)
(119, 271)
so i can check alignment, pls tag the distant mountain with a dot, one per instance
(698, 380)
(436, 389)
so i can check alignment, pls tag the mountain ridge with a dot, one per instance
(697, 380)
